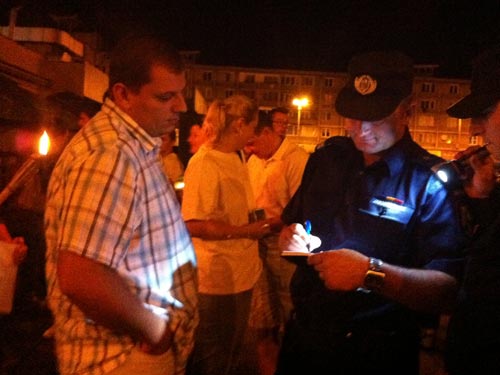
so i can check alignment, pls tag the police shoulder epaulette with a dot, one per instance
(428, 160)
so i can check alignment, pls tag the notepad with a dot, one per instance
(295, 253)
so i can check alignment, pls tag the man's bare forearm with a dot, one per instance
(104, 296)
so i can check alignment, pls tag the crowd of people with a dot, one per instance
(331, 260)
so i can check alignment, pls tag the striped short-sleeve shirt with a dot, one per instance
(109, 200)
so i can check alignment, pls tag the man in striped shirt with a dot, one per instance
(121, 268)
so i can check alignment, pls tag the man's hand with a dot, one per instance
(104, 296)
(295, 238)
(20, 252)
(342, 269)
(162, 346)
(258, 229)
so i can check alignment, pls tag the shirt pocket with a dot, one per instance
(384, 225)
(388, 208)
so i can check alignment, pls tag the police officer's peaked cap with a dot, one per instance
(377, 83)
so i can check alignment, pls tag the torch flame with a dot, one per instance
(44, 144)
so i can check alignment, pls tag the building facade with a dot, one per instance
(43, 61)
(36, 63)
(430, 125)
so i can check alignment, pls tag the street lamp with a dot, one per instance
(300, 103)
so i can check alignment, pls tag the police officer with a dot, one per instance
(473, 339)
(384, 230)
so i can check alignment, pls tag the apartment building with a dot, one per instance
(43, 61)
(430, 126)
(36, 63)
(42, 72)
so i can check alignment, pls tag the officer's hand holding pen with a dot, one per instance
(295, 238)
(308, 228)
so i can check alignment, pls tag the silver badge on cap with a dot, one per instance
(365, 84)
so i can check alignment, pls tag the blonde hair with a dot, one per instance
(222, 113)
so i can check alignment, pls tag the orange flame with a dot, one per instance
(44, 144)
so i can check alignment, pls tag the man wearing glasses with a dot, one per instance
(280, 119)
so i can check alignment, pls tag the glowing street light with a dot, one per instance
(300, 103)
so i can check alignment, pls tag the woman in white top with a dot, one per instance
(217, 204)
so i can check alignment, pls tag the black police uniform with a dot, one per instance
(473, 339)
(394, 210)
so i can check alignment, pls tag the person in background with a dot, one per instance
(473, 340)
(25, 209)
(281, 120)
(276, 169)
(384, 230)
(217, 206)
(121, 268)
(196, 138)
(172, 165)
(7, 319)
(87, 109)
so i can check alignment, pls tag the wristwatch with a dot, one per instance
(374, 277)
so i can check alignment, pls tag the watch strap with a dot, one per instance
(374, 277)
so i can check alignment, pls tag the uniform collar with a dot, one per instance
(396, 156)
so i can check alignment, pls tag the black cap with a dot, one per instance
(377, 83)
(485, 86)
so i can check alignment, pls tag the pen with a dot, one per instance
(308, 227)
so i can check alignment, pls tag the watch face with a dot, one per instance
(374, 280)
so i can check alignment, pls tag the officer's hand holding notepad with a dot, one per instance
(297, 240)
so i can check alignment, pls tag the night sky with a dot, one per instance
(310, 35)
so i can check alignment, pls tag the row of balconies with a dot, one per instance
(425, 104)
(317, 80)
